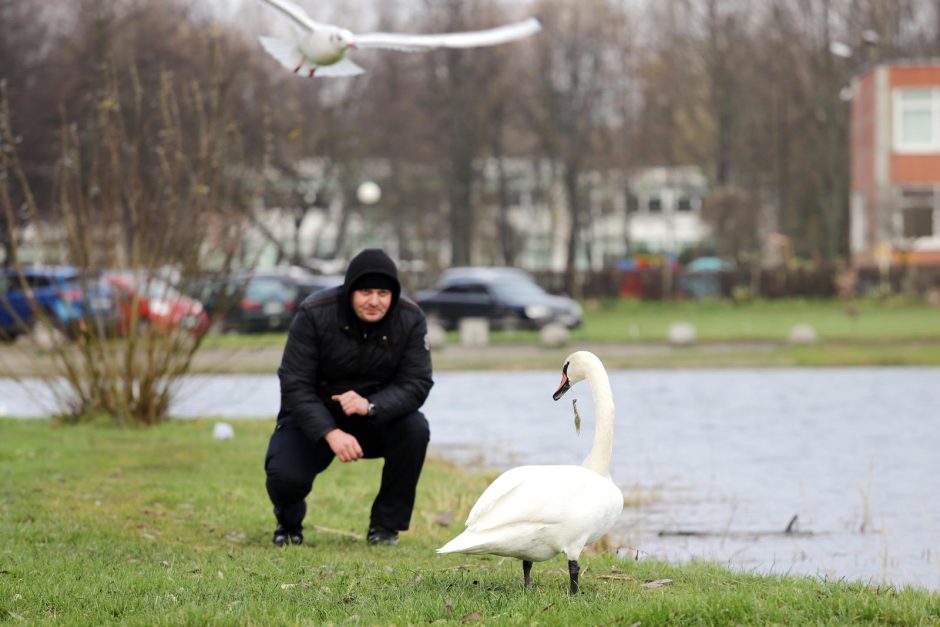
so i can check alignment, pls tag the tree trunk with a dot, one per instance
(461, 163)
(572, 192)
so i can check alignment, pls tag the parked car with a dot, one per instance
(707, 277)
(159, 305)
(57, 292)
(304, 282)
(263, 300)
(508, 297)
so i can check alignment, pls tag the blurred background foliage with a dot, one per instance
(152, 135)
(747, 90)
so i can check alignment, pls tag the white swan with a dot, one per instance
(536, 512)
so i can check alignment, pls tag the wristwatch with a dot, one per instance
(371, 411)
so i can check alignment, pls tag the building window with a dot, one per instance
(654, 204)
(917, 120)
(684, 204)
(633, 203)
(917, 222)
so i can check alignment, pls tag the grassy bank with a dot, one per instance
(633, 334)
(631, 321)
(167, 526)
(619, 356)
(771, 320)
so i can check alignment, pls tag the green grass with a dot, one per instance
(244, 340)
(167, 526)
(634, 321)
(626, 320)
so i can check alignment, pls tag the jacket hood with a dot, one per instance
(370, 261)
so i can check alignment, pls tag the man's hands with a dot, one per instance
(344, 446)
(352, 403)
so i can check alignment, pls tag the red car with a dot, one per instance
(160, 306)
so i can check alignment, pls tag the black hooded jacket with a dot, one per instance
(329, 351)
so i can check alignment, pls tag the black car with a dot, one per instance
(508, 297)
(304, 282)
(262, 300)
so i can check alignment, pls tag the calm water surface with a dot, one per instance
(719, 460)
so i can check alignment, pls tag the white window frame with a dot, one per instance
(931, 146)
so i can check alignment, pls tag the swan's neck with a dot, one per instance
(598, 459)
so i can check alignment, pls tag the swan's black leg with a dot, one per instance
(573, 570)
(526, 573)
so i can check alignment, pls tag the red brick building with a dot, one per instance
(895, 152)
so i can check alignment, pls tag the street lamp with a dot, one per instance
(368, 193)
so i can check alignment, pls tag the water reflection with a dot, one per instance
(719, 461)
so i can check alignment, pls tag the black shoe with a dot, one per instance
(381, 535)
(282, 537)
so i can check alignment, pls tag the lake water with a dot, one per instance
(720, 461)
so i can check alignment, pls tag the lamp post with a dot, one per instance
(368, 194)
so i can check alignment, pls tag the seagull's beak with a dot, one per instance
(352, 45)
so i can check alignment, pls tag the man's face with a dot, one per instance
(371, 305)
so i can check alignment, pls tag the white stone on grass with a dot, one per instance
(474, 332)
(223, 431)
(437, 336)
(802, 334)
(554, 335)
(681, 333)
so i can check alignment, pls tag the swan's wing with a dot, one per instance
(505, 483)
(470, 39)
(546, 495)
(295, 13)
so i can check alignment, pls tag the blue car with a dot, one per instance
(57, 292)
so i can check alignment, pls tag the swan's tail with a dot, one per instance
(464, 543)
(521, 538)
(454, 546)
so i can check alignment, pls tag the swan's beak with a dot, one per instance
(563, 387)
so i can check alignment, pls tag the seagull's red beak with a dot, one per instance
(352, 44)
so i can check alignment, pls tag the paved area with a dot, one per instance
(23, 358)
(500, 356)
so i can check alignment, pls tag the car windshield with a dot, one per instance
(515, 289)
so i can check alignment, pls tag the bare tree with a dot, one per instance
(734, 217)
(24, 51)
(574, 68)
(150, 180)
(451, 79)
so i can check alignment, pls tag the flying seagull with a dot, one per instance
(321, 48)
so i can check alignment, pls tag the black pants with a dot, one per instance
(293, 461)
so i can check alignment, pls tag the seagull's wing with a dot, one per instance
(343, 67)
(472, 39)
(284, 51)
(295, 13)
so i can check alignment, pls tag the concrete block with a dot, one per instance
(554, 335)
(802, 334)
(682, 333)
(474, 332)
